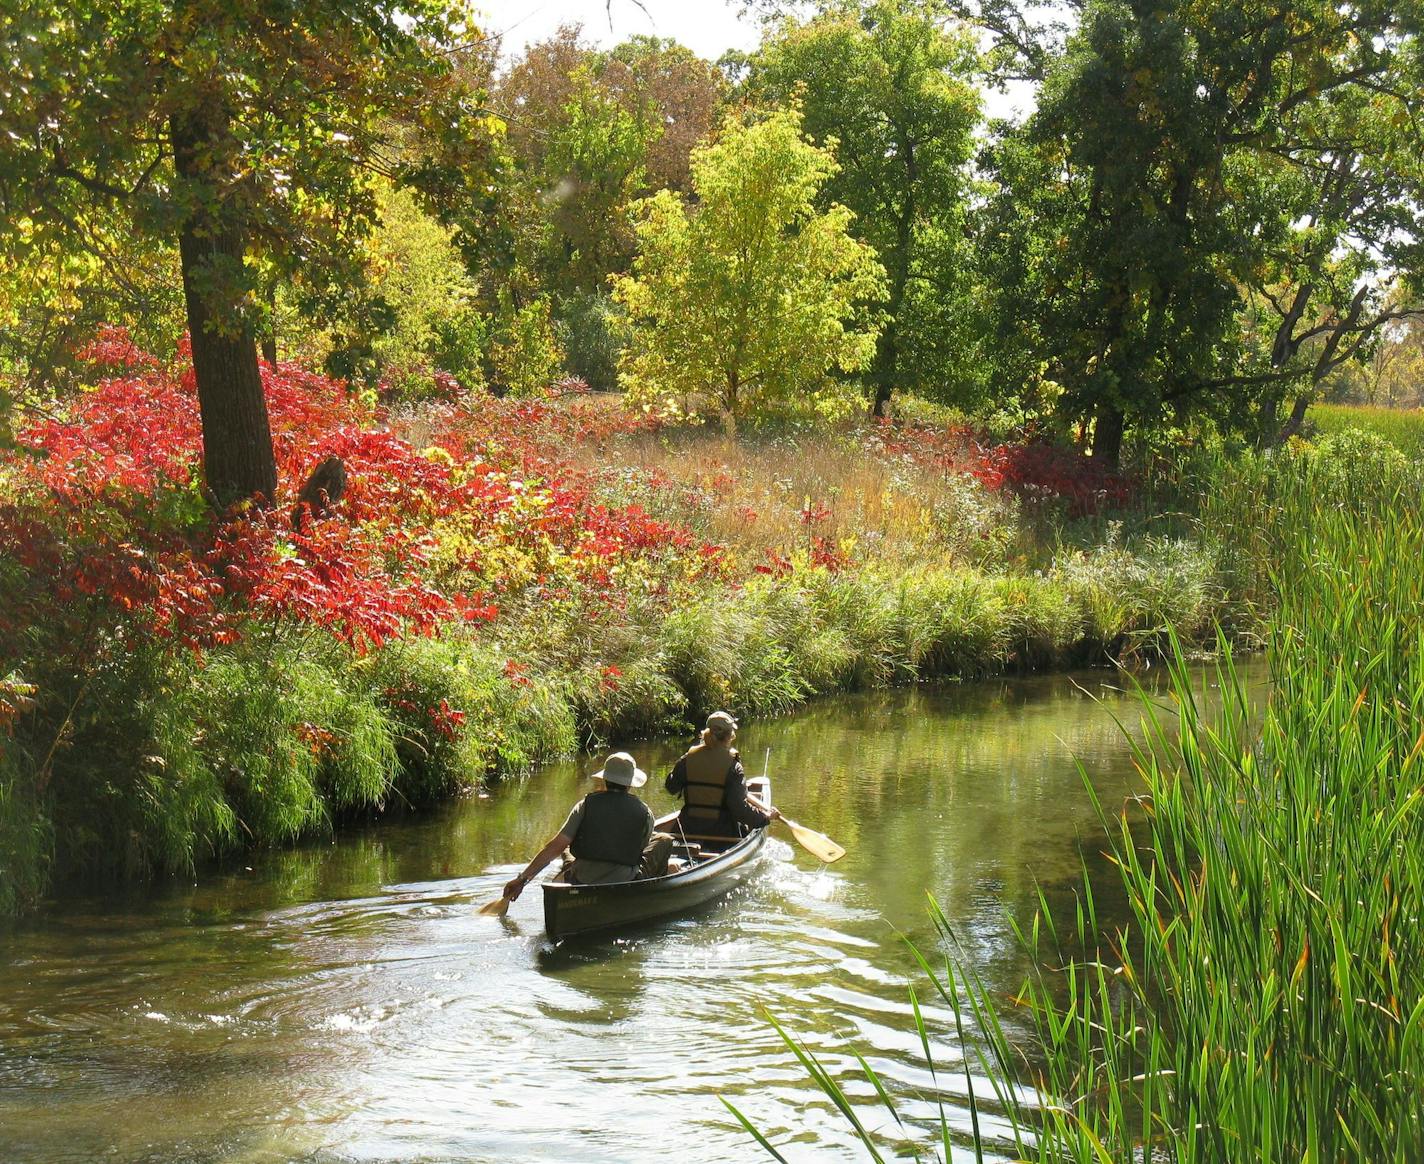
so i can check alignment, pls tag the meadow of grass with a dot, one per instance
(1264, 999)
(1402, 427)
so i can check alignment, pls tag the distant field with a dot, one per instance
(1401, 426)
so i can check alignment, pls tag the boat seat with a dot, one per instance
(711, 844)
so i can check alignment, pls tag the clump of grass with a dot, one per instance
(291, 745)
(1041, 618)
(26, 835)
(1131, 597)
(506, 719)
(954, 622)
(118, 769)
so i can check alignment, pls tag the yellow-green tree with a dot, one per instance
(750, 300)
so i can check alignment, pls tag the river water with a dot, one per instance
(344, 1002)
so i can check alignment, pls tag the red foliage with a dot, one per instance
(776, 564)
(813, 512)
(1035, 469)
(98, 532)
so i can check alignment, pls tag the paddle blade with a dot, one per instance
(496, 908)
(817, 844)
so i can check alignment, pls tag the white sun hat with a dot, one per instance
(621, 768)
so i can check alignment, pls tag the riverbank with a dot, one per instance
(500, 582)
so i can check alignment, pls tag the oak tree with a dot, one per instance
(1207, 209)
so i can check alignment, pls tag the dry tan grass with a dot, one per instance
(774, 495)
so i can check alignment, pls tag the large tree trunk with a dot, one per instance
(1107, 436)
(237, 439)
(1295, 419)
(883, 375)
(885, 372)
(1270, 409)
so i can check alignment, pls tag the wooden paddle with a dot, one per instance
(817, 844)
(496, 908)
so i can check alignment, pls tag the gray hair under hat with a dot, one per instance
(621, 768)
(721, 723)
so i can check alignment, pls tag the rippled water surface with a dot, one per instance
(345, 1003)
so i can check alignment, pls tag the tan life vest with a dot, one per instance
(707, 767)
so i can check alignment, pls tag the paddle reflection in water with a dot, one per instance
(344, 1002)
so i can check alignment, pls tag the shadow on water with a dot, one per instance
(344, 1002)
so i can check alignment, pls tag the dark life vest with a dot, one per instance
(707, 767)
(614, 828)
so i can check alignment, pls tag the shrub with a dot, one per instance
(589, 332)
(1355, 460)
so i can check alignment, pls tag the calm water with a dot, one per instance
(345, 1003)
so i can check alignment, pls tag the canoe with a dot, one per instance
(582, 909)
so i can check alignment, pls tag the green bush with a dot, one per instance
(1041, 619)
(1354, 460)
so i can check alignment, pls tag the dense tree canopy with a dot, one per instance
(1209, 216)
(248, 133)
(887, 84)
(1206, 210)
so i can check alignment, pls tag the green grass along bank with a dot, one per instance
(162, 761)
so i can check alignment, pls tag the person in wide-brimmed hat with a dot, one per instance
(609, 833)
(710, 779)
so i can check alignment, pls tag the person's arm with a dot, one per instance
(542, 858)
(747, 811)
(677, 778)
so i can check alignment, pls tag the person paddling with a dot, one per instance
(609, 833)
(713, 786)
